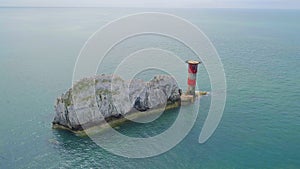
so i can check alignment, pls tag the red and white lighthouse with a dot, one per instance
(192, 74)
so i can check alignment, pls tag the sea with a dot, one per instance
(260, 53)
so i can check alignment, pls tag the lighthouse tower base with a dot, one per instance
(190, 98)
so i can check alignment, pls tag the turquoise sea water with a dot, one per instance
(260, 128)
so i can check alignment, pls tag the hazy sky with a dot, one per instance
(158, 3)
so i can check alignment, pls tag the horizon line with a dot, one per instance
(148, 7)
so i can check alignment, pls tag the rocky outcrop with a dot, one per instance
(103, 97)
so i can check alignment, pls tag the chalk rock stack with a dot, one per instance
(92, 100)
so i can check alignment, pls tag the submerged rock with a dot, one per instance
(93, 100)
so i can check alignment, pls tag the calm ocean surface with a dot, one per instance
(260, 128)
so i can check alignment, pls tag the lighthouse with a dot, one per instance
(192, 74)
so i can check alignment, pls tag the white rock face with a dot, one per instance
(91, 100)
